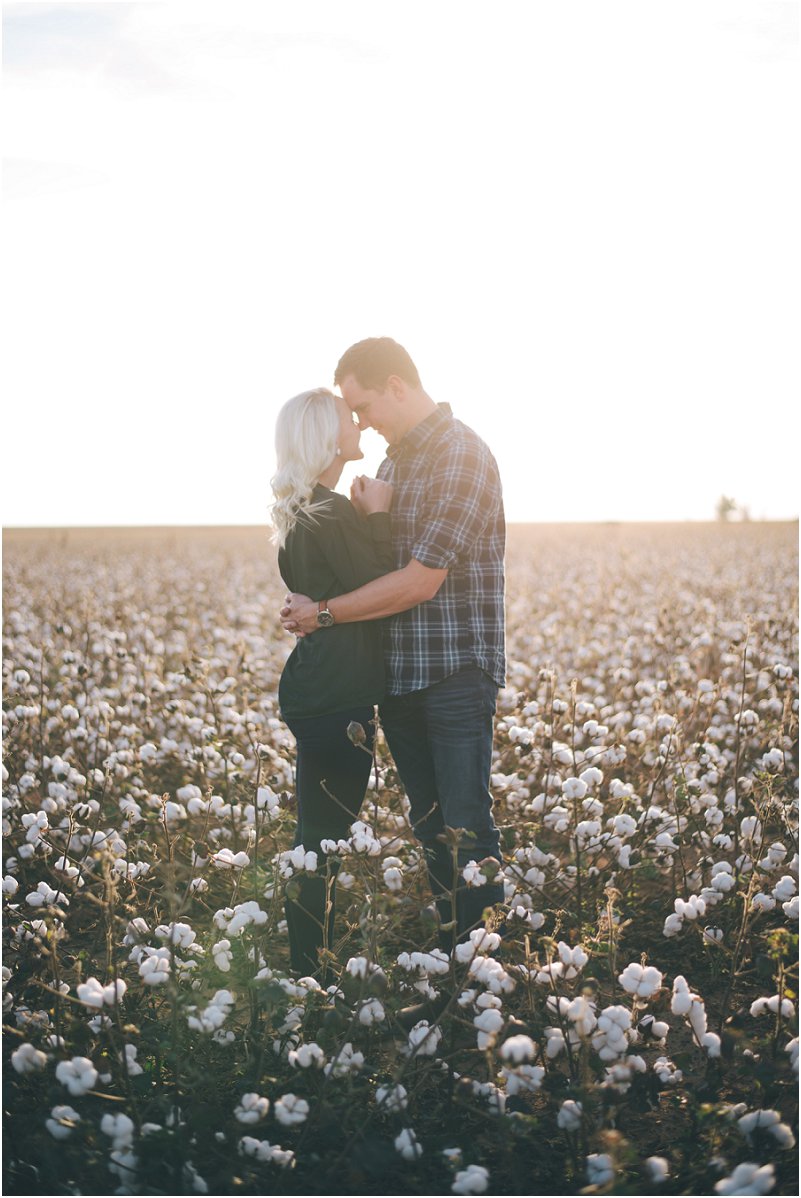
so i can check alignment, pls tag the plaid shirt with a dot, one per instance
(447, 512)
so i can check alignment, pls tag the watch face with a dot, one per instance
(325, 619)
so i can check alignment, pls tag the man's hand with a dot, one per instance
(299, 615)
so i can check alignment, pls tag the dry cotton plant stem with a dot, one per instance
(753, 886)
(576, 813)
(257, 827)
(737, 747)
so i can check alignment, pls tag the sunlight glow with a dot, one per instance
(579, 219)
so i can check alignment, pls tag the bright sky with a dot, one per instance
(579, 218)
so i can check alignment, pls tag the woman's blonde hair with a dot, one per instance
(306, 433)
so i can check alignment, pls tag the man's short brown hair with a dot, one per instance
(373, 360)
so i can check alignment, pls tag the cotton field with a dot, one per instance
(625, 1023)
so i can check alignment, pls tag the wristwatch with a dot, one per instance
(325, 617)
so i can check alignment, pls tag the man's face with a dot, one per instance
(374, 409)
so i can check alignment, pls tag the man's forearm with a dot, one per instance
(389, 594)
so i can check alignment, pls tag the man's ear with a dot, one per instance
(397, 387)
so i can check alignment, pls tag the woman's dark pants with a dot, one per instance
(331, 779)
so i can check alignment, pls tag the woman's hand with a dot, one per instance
(299, 615)
(370, 495)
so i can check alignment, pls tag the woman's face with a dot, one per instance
(349, 433)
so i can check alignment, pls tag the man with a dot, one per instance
(444, 641)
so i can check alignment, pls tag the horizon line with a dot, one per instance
(509, 523)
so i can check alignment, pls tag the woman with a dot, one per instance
(334, 677)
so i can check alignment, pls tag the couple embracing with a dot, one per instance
(397, 599)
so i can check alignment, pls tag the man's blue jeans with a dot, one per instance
(441, 741)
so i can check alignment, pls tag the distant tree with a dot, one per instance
(725, 507)
(744, 512)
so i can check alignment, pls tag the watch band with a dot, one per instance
(325, 617)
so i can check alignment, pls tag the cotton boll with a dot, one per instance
(78, 1075)
(423, 1040)
(132, 1067)
(358, 967)
(658, 1169)
(573, 959)
(581, 1013)
(155, 969)
(213, 1017)
(711, 1042)
(370, 1012)
(222, 955)
(62, 1122)
(768, 1121)
(488, 1025)
(554, 1042)
(225, 859)
(574, 788)
(600, 1170)
(393, 879)
(291, 1110)
(407, 1144)
(692, 908)
(750, 828)
(747, 1178)
(120, 1128)
(682, 997)
(653, 1029)
(346, 1062)
(570, 1114)
(27, 1059)
(641, 981)
(393, 1098)
(518, 1049)
(472, 1180)
(785, 888)
(593, 776)
(764, 1006)
(697, 1018)
(93, 994)
(523, 1079)
(307, 1056)
(667, 1072)
(473, 876)
(264, 1151)
(251, 1108)
(624, 825)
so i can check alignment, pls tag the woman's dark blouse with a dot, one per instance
(325, 555)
